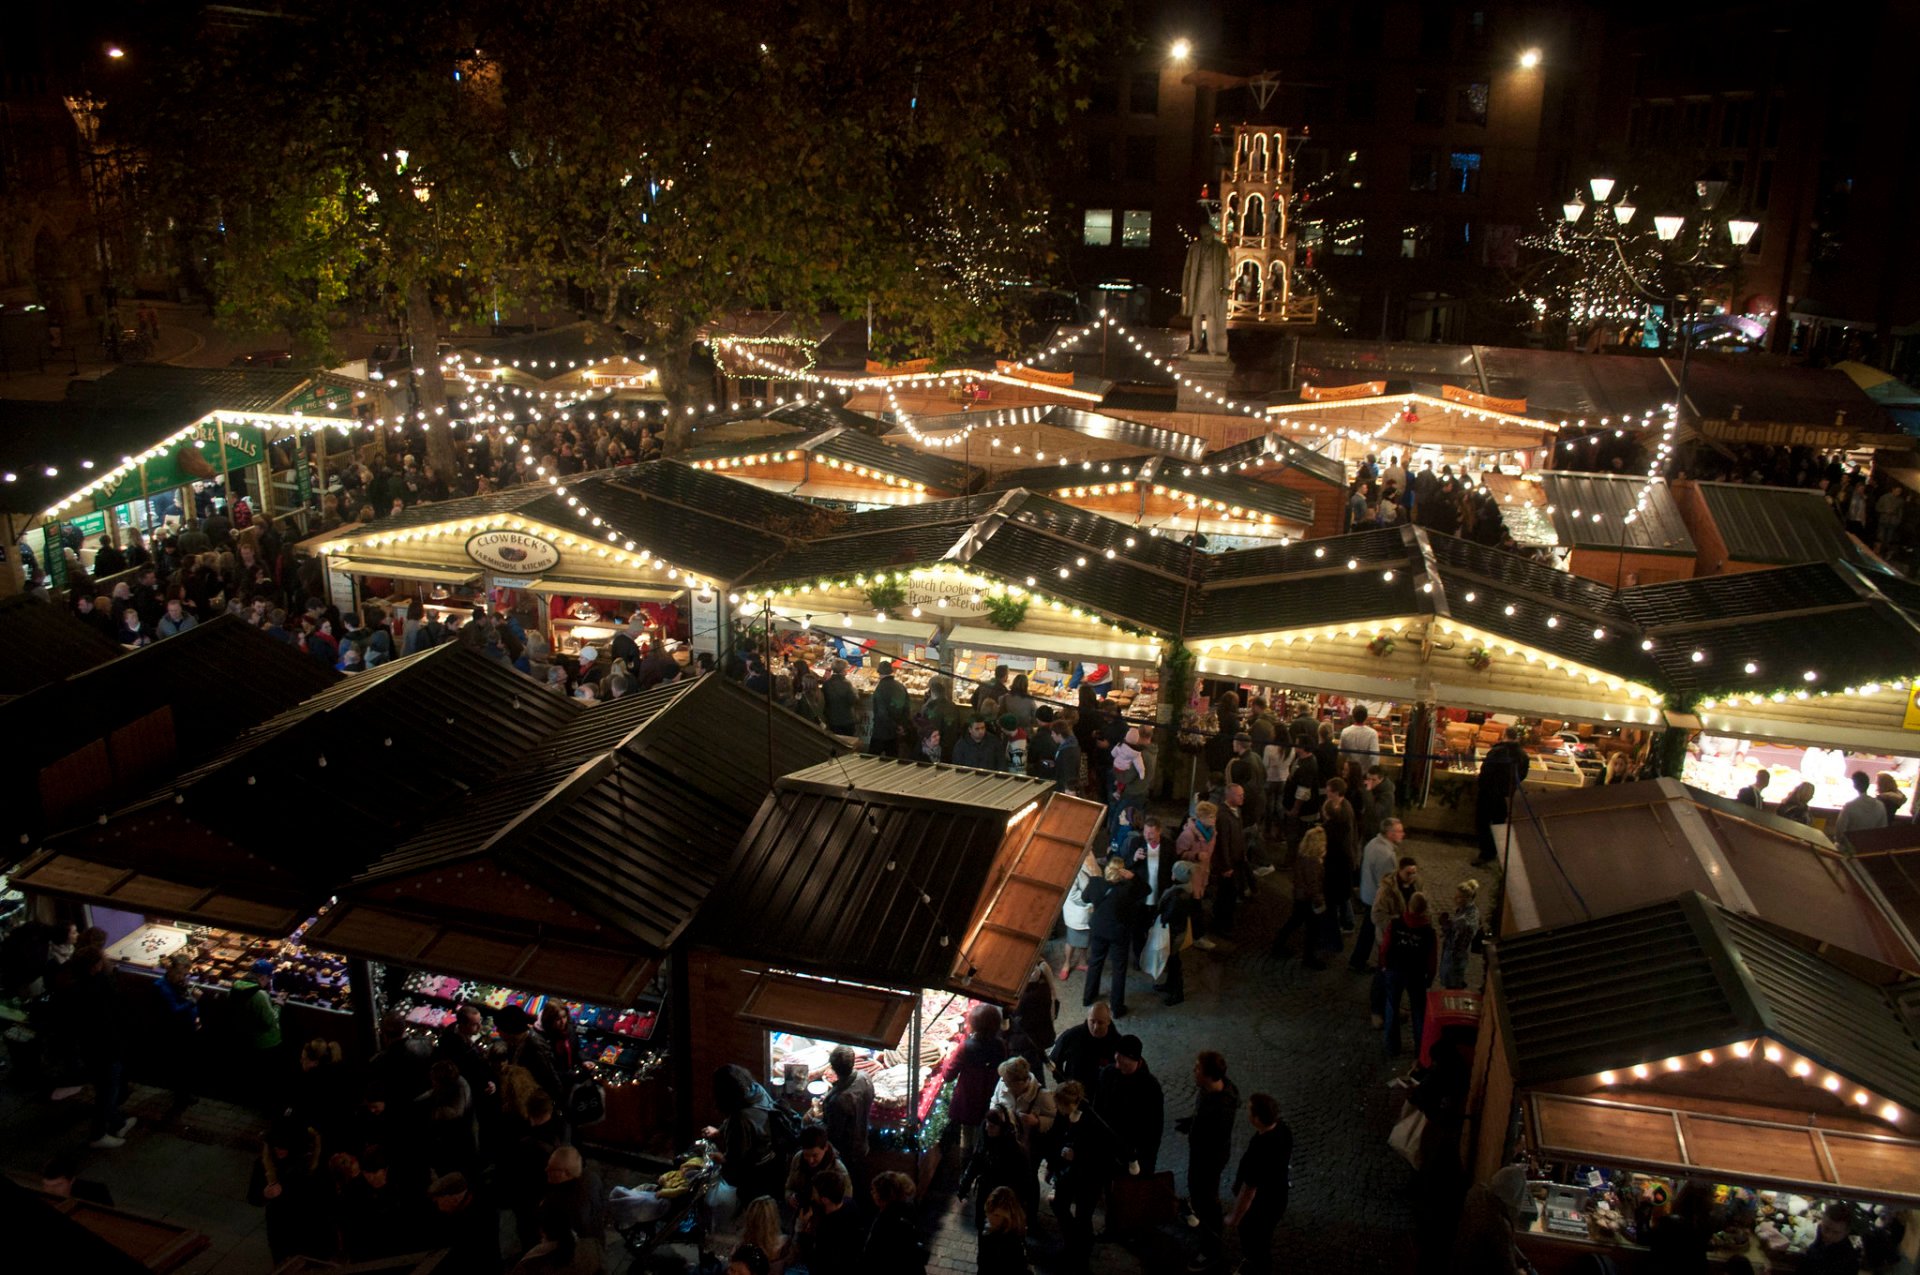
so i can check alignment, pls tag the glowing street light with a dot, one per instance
(1182, 49)
(1530, 59)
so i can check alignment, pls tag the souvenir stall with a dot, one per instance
(802, 951)
(1439, 424)
(1634, 1060)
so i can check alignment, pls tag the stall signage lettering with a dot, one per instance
(1454, 394)
(1335, 393)
(196, 458)
(1912, 721)
(1777, 434)
(514, 552)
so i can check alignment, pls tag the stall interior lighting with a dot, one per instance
(1800, 1067)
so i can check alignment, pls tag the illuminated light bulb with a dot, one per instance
(1553, 621)
(1640, 1071)
(1706, 1056)
(1470, 595)
(1803, 1068)
(1673, 1064)
(1743, 1050)
(1831, 1084)
(1646, 644)
(1699, 657)
(1889, 1112)
(1809, 676)
(1607, 1077)
(1509, 608)
(1860, 1097)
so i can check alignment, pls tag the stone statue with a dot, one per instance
(1203, 292)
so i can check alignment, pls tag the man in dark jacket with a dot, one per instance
(1300, 795)
(891, 715)
(1066, 759)
(99, 1026)
(831, 1235)
(837, 697)
(1131, 1102)
(1116, 896)
(1085, 1049)
(1248, 769)
(1209, 1133)
(848, 1107)
(1502, 772)
(1260, 1187)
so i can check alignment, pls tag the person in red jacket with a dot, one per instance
(1410, 956)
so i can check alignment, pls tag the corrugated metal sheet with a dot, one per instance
(44, 643)
(1679, 977)
(914, 782)
(1576, 498)
(1232, 490)
(1274, 451)
(1781, 525)
(854, 447)
(188, 393)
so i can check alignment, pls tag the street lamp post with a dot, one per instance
(1611, 221)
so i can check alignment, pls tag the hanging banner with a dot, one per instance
(1485, 402)
(1021, 372)
(194, 458)
(911, 367)
(1336, 393)
(53, 553)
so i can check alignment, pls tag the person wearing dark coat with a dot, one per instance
(830, 1236)
(1067, 755)
(1502, 772)
(975, 1072)
(1116, 896)
(749, 1160)
(846, 1111)
(1084, 1160)
(1033, 1033)
(1132, 1103)
(891, 714)
(838, 700)
(1343, 850)
(893, 1241)
(1209, 1133)
(1084, 1049)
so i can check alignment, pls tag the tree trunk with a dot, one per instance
(671, 360)
(424, 330)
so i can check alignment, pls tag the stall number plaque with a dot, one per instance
(513, 552)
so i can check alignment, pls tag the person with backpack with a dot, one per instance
(1410, 957)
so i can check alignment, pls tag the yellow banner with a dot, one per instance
(1020, 372)
(898, 369)
(1334, 393)
(1485, 402)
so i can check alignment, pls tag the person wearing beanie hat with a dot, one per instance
(1042, 745)
(1130, 1100)
(1488, 1218)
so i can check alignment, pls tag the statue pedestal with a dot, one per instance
(1201, 372)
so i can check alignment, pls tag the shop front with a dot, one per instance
(1438, 425)
(841, 467)
(873, 904)
(1683, 1052)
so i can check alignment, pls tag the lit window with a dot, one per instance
(1098, 229)
(1136, 229)
(1464, 172)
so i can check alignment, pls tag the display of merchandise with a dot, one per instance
(943, 1018)
(308, 977)
(613, 1042)
(1725, 765)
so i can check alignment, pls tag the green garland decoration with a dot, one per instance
(1005, 611)
(888, 596)
(1176, 688)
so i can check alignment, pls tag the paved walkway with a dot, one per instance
(1300, 1035)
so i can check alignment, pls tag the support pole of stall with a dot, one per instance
(766, 647)
(913, 1090)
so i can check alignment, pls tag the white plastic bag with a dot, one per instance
(1153, 957)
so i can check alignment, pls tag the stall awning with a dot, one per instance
(856, 1015)
(130, 890)
(1102, 644)
(574, 587)
(405, 571)
(597, 972)
(1649, 1136)
(1029, 881)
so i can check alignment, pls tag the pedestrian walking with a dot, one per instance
(1260, 1185)
(1310, 911)
(1116, 897)
(1410, 955)
(1457, 930)
(1209, 1133)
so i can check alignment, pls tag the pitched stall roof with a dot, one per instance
(1277, 451)
(846, 448)
(44, 643)
(1094, 426)
(1842, 623)
(624, 818)
(1309, 583)
(1229, 490)
(1568, 848)
(787, 420)
(1656, 526)
(174, 702)
(881, 870)
(551, 354)
(1779, 525)
(1686, 975)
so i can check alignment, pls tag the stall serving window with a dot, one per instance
(1724, 765)
(308, 977)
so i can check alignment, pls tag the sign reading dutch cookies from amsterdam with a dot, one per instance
(514, 552)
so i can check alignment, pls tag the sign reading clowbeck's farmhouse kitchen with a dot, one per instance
(514, 552)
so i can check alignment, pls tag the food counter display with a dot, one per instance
(1724, 765)
(943, 1030)
(308, 978)
(615, 1043)
(1574, 1208)
(1135, 688)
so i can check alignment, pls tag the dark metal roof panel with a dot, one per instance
(1778, 524)
(552, 353)
(856, 884)
(1052, 479)
(1115, 429)
(689, 517)
(1576, 498)
(1233, 490)
(852, 447)
(1842, 649)
(844, 556)
(1460, 560)
(1706, 599)
(1277, 451)
(1342, 597)
(797, 441)
(1095, 531)
(45, 643)
(1113, 587)
(511, 500)
(919, 782)
(1388, 546)
(188, 393)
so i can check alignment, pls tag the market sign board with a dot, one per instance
(513, 552)
(211, 450)
(1779, 434)
(1912, 721)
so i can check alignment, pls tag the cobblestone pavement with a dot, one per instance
(1303, 1036)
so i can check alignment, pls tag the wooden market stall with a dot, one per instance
(1619, 530)
(840, 466)
(1006, 439)
(1419, 423)
(1175, 499)
(575, 876)
(1281, 460)
(872, 902)
(1448, 642)
(1683, 1041)
(1748, 527)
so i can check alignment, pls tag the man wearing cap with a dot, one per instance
(891, 713)
(1133, 1105)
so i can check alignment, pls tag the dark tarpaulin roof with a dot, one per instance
(1781, 525)
(219, 678)
(1683, 976)
(1231, 489)
(871, 869)
(629, 810)
(1576, 498)
(44, 643)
